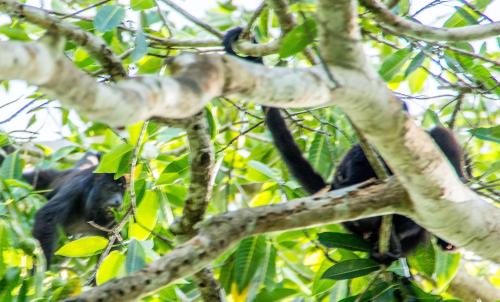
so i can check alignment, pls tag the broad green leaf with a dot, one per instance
(467, 14)
(350, 269)
(108, 17)
(263, 169)
(446, 267)
(264, 22)
(142, 4)
(458, 20)
(4, 139)
(488, 134)
(298, 38)
(12, 166)
(370, 295)
(416, 80)
(276, 294)
(14, 32)
(110, 162)
(423, 259)
(83, 247)
(415, 63)
(110, 267)
(149, 64)
(320, 154)
(248, 257)
(146, 216)
(344, 240)
(136, 258)
(141, 47)
(394, 63)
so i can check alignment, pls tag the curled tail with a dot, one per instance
(300, 168)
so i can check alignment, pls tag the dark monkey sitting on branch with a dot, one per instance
(353, 169)
(76, 196)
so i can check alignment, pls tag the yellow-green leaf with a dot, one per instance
(146, 216)
(83, 247)
(111, 267)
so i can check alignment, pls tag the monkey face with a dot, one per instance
(106, 194)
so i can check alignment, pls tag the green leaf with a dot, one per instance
(350, 269)
(320, 154)
(423, 259)
(344, 241)
(146, 216)
(211, 121)
(150, 64)
(12, 166)
(458, 20)
(488, 134)
(109, 17)
(298, 38)
(263, 169)
(276, 294)
(136, 258)
(446, 267)
(63, 152)
(141, 47)
(394, 63)
(110, 162)
(264, 21)
(83, 247)
(110, 267)
(14, 32)
(248, 257)
(142, 4)
(415, 63)
(468, 15)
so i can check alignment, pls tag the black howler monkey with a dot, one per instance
(75, 197)
(353, 169)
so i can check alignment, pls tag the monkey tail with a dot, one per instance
(301, 169)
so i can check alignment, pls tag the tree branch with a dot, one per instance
(339, 34)
(200, 190)
(221, 232)
(95, 45)
(429, 33)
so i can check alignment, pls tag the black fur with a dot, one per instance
(77, 197)
(353, 169)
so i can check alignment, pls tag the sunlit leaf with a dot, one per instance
(298, 38)
(110, 267)
(83, 247)
(394, 63)
(146, 216)
(110, 162)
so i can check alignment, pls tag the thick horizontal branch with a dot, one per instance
(429, 33)
(95, 45)
(197, 80)
(219, 233)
